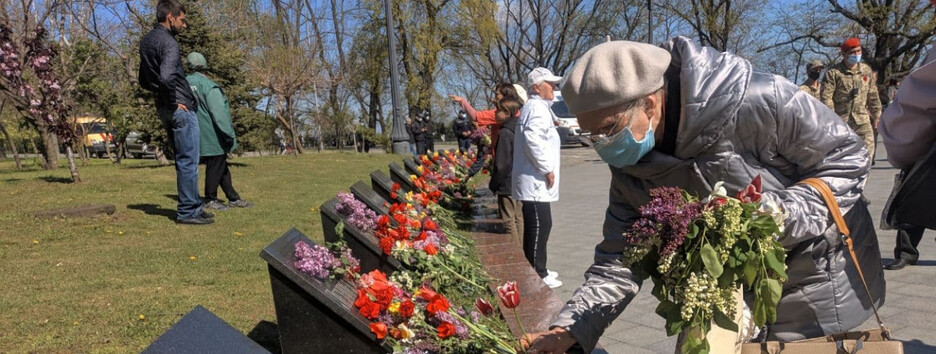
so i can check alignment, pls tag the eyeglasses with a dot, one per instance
(601, 139)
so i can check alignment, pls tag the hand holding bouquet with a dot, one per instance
(700, 252)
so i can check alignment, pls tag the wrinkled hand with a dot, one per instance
(557, 340)
(550, 180)
(455, 98)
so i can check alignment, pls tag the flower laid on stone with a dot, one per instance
(356, 213)
(699, 253)
(322, 262)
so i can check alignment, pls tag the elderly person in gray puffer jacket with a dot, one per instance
(688, 116)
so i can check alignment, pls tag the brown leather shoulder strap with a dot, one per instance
(836, 212)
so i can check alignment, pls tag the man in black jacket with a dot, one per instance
(161, 73)
(462, 130)
(509, 209)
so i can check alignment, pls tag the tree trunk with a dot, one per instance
(83, 153)
(9, 139)
(50, 147)
(71, 164)
(161, 157)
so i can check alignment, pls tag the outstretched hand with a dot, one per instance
(557, 340)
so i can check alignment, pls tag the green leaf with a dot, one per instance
(773, 263)
(339, 229)
(750, 270)
(772, 290)
(693, 231)
(710, 259)
(723, 321)
(760, 313)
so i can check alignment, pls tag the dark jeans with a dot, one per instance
(182, 127)
(907, 241)
(412, 149)
(464, 144)
(217, 173)
(422, 147)
(537, 223)
(479, 164)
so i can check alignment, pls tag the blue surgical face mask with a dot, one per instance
(623, 150)
(854, 59)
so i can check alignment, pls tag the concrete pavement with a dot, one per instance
(577, 220)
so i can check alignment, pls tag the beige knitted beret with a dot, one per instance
(614, 73)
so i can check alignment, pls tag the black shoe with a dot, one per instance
(206, 215)
(195, 221)
(899, 264)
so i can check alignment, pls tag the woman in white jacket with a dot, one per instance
(536, 169)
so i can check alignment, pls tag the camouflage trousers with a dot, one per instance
(866, 133)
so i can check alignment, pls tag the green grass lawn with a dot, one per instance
(115, 283)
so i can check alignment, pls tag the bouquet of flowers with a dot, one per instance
(699, 253)
(481, 136)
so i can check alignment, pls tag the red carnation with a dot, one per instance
(438, 304)
(431, 250)
(430, 225)
(445, 330)
(407, 308)
(395, 187)
(370, 310)
(386, 244)
(383, 221)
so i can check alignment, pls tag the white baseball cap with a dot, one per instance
(541, 75)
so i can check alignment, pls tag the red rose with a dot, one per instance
(431, 250)
(406, 309)
(509, 294)
(379, 329)
(445, 330)
(384, 297)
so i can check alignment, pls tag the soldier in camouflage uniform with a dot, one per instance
(850, 90)
(812, 85)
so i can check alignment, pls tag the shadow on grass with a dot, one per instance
(53, 179)
(266, 334)
(13, 180)
(237, 164)
(137, 167)
(174, 197)
(153, 209)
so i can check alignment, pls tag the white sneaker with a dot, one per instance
(551, 274)
(552, 282)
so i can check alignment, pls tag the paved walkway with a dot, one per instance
(577, 218)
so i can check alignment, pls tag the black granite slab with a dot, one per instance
(363, 244)
(373, 200)
(411, 165)
(382, 184)
(200, 331)
(400, 176)
(314, 316)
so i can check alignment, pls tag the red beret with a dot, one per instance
(850, 44)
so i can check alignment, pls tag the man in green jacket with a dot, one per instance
(216, 133)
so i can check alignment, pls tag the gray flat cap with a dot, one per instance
(614, 73)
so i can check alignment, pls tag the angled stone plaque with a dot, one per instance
(400, 176)
(373, 200)
(314, 316)
(382, 184)
(200, 331)
(363, 244)
(411, 165)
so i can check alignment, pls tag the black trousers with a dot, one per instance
(422, 147)
(537, 223)
(217, 173)
(464, 144)
(907, 241)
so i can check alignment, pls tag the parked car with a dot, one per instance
(569, 130)
(137, 148)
